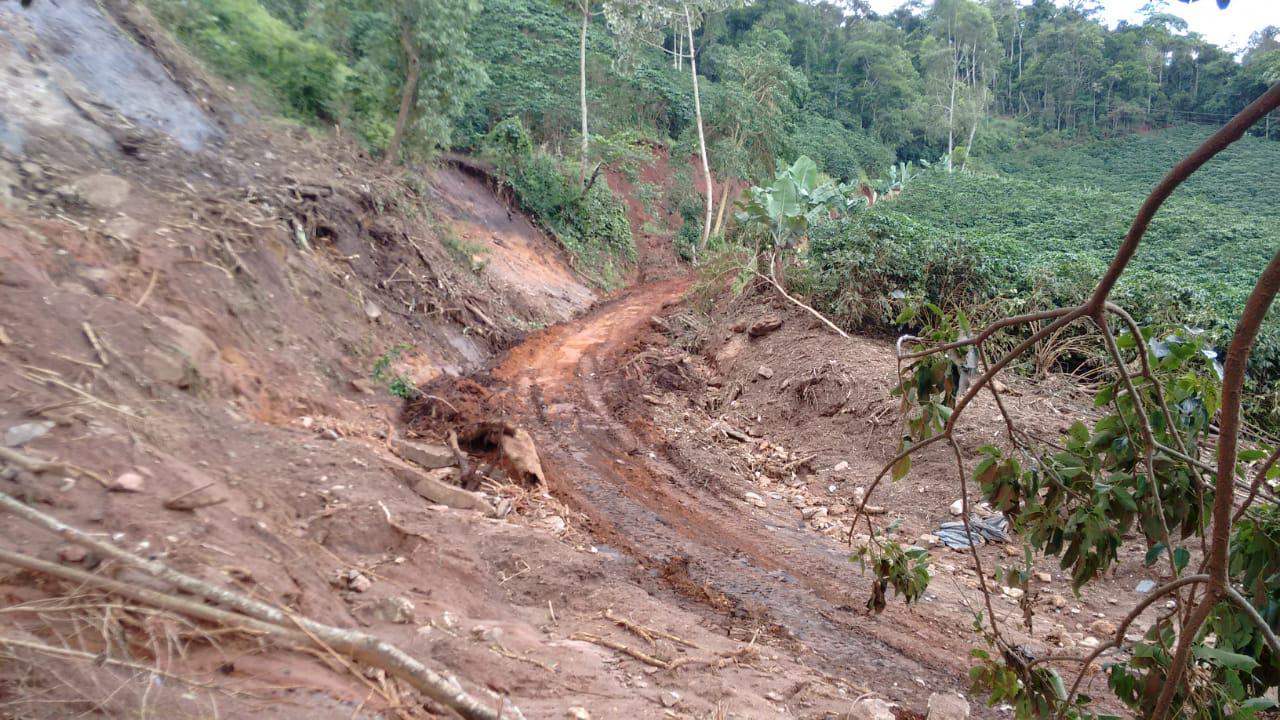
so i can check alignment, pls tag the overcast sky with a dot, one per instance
(1228, 28)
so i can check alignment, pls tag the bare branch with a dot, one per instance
(366, 648)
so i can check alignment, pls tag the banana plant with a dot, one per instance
(787, 206)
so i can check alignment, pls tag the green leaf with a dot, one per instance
(1059, 688)
(1222, 658)
(902, 467)
(1252, 455)
(1153, 554)
(1181, 556)
(1125, 499)
(1104, 396)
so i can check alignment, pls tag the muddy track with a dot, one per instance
(769, 574)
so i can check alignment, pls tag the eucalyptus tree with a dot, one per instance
(640, 23)
(967, 34)
(584, 9)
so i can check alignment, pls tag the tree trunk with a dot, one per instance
(407, 95)
(702, 138)
(724, 205)
(968, 149)
(951, 109)
(582, 89)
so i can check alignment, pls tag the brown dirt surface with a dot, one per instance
(652, 227)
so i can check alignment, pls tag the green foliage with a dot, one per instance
(905, 570)
(242, 40)
(1079, 497)
(964, 240)
(791, 203)
(866, 264)
(1241, 177)
(471, 254)
(840, 152)
(593, 226)
(396, 383)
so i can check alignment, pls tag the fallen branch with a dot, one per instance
(97, 345)
(30, 464)
(151, 285)
(773, 281)
(361, 646)
(181, 501)
(629, 651)
(647, 633)
(101, 659)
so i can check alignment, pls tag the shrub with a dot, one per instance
(242, 40)
(839, 151)
(593, 226)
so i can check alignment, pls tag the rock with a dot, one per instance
(127, 482)
(957, 508)
(371, 310)
(329, 434)
(101, 191)
(765, 372)
(816, 511)
(394, 609)
(426, 455)
(554, 523)
(182, 356)
(123, 227)
(929, 541)
(837, 510)
(361, 385)
(739, 326)
(871, 709)
(947, 706)
(670, 699)
(1013, 592)
(1145, 586)
(439, 486)
(1058, 601)
(773, 696)
(754, 499)
(72, 554)
(841, 466)
(448, 621)
(764, 325)
(1106, 628)
(358, 582)
(1090, 642)
(31, 169)
(1012, 550)
(521, 455)
(1044, 577)
(579, 713)
(487, 633)
(20, 435)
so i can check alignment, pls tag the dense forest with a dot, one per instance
(831, 76)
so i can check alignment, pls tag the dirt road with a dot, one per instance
(687, 536)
